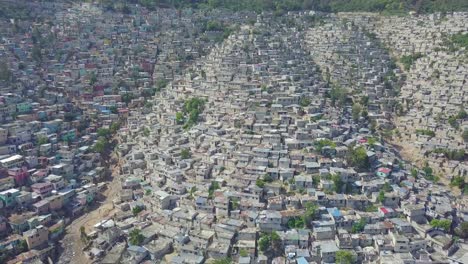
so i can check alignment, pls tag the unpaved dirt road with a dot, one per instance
(71, 243)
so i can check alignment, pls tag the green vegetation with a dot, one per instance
(462, 230)
(338, 95)
(127, 98)
(344, 257)
(408, 60)
(222, 261)
(101, 145)
(185, 154)
(453, 122)
(425, 132)
(371, 208)
(42, 140)
(428, 173)
(458, 41)
(337, 183)
(135, 237)
(465, 135)
(356, 111)
(386, 187)
(304, 101)
(451, 154)
(5, 72)
(269, 242)
(320, 144)
(92, 78)
(310, 214)
(381, 197)
(137, 209)
(214, 186)
(260, 183)
(243, 252)
(442, 224)
(459, 181)
(357, 157)
(359, 226)
(191, 111)
(296, 222)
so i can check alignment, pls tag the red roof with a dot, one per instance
(384, 210)
(385, 170)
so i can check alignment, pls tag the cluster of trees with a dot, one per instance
(457, 41)
(465, 135)
(137, 209)
(442, 224)
(459, 181)
(451, 154)
(453, 120)
(296, 222)
(191, 111)
(359, 226)
(425, 132)
(320, 144)
(304, 102)
(185, 154)
(269, 242)
(408, 60)
(358, 158)
(135, 237)
(5, 72)
(213, 187)
(104, 135)
(344, 257)
(260, 182)
(338, 95)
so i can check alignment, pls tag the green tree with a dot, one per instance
(180, 118)
(356, 111)
(185, 154)
(260, 183)
(338, 94)
(101, 145)
(359, 226)
(386, 187)
(5, 73)
(441, 224)
(137, 209)
(113, 109)
(344, 257)
(92, 78)
(465, 135)
(222, 261)
(357, 157)
(42, 140)
(304, 102)
(104, 132)
(269, 242)
(146, 132)
(381, 197)
(135, 237)
(213, 186)
(337, 183)
(36, 54)
(462, 230)
(311, 213)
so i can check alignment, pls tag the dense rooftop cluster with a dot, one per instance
(154, 135)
